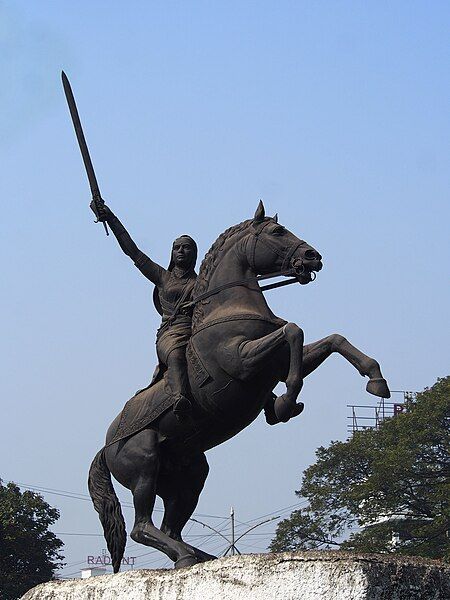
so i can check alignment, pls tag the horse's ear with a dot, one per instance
(275, 218)
(259, 214)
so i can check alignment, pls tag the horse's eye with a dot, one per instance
(280, 230)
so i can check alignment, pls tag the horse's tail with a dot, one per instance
(107, 505)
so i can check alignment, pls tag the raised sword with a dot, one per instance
(95, 190)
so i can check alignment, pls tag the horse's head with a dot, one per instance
(273, 248)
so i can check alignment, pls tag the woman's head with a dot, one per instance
(184, 253)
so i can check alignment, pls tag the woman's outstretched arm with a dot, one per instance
(148, 267)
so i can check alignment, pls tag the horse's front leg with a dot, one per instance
(285, 405)
(251, 355)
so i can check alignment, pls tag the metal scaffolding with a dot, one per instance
(369, 416)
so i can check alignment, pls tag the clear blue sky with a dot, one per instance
(335, 113)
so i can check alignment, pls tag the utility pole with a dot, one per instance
(233, 547)
(232, 543)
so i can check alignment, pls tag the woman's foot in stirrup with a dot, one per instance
(182, 408)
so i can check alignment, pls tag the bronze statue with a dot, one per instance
(236, 353)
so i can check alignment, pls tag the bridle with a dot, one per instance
(254, 238)
(250, 249)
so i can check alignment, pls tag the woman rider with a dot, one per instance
(174, 286)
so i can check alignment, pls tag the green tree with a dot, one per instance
(392, 479)
(29, 552)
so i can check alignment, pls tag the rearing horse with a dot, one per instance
(238, 353)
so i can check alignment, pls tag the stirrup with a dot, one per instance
(182, 406)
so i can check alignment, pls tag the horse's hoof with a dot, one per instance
(186, 561)
(205, 557)
(269, 412)
(271, 417)
(378, 387)
(284, 410)
(298, 409)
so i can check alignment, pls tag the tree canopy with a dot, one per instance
(29, 552)
(392, 479)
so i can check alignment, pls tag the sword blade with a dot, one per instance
(80, 137)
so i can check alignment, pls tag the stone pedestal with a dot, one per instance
(286, 576)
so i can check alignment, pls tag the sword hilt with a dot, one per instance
(95, 201)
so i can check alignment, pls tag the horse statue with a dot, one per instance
(239, 351)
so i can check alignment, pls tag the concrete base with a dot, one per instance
(286, 576)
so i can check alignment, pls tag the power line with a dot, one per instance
(80, 496)
(207, 539)
(221, 526)
(80, 534)
(279, 512)
(210, 541)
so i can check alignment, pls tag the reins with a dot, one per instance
(245, 283)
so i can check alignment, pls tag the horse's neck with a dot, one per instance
(246, 298)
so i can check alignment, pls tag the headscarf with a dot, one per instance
(156, 300)
(194, 254)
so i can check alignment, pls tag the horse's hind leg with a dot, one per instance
(139, 470)
(248, 355)
(314, 354)
(180, 490)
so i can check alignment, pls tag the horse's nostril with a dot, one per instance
(311, 255)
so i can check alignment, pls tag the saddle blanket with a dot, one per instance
(141, 410)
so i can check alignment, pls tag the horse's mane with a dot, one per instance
(209, 263)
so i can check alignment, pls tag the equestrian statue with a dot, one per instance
(221, 353)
